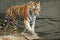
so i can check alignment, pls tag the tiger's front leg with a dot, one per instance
(33, 24)
(28, 27)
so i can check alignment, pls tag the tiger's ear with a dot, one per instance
(39, 3)
(39, 6)
(30, 3)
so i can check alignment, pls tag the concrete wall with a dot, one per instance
(50, 9)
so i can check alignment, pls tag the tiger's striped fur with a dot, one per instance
(27, 11)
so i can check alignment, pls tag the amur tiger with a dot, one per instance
(27, 11)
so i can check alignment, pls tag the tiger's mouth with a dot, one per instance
(36, 13)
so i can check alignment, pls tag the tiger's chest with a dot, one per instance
(31, 17)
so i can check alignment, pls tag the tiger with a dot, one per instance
(28, 12)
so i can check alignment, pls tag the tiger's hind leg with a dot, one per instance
(15, 25)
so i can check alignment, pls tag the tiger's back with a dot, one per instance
(18, 10)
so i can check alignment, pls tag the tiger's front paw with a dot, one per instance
(31, 32)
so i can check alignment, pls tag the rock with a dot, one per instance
(25, 36)
(30, 36)
(12, 37)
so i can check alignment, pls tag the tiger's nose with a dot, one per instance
(36, 13)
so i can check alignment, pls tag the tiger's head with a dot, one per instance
(35, 8)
